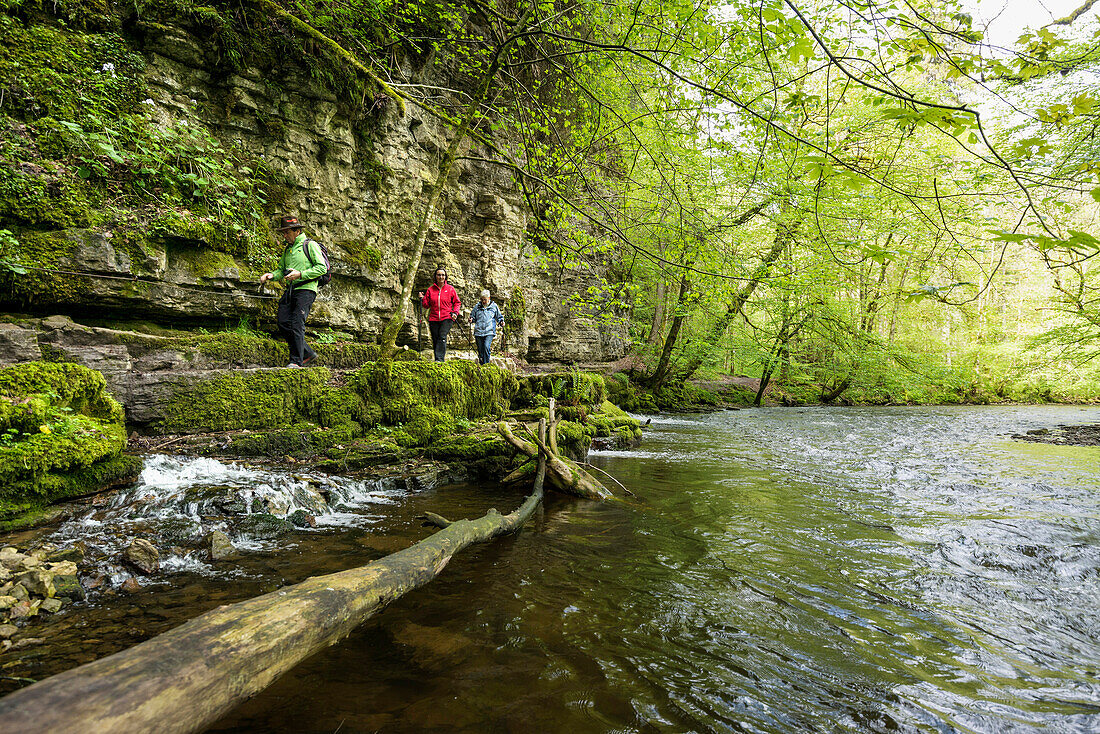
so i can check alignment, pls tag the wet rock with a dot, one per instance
(63, 568)
(68, 587)
(219, 546)
(74, 554)
(302, 519)
(7, 630)
(7, 602)
(275, 506)
(131, 585)
(263, 527)
(38, 582)
(51, 605)
(142, 556)
(19, 592)
(24, 609)
(180, 531)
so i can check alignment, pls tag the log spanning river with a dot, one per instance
(776, 570)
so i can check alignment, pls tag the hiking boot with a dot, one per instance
(296, 366)
(309, 360)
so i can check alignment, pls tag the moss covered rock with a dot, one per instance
(61, 435)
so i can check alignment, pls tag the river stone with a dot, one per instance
(181, 531)
(19, 592)
(62, 568)
(142, 556)
(220, 547)
(7, 630)
(12, 559)
(7, 602)
(68, 587)
(24, 609)
(51, 605)
(302, 519)
(73, 553)
(38, 582)
(263, 527)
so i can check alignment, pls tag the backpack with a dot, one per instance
(324, 279)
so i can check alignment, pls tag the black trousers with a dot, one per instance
(440, 330)
(294, 309)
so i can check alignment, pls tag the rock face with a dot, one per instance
(360, 186)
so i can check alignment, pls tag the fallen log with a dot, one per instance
(189, 677)
(564, 473)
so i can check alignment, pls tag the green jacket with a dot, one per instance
(295, 258)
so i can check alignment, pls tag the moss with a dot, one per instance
(516, 310)
(62, 435)
(568, 388)
(237, 348)
(408, 391)
(301, 440)
(628, 396)
(43, 252)
(345, 355)
(359, 253)
(343, 408)
(484, 453)
(252, 400)
(374, 172)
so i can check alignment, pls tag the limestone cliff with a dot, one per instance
(355, 173)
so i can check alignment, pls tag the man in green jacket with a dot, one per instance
(301, 271)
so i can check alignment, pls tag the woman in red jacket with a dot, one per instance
(441, 300)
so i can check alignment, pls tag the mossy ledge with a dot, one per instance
(61, 435)
(388, 412)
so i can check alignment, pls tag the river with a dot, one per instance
(776, 570)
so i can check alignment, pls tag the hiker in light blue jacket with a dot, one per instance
(485, 317)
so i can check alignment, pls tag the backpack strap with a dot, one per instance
(309, 256)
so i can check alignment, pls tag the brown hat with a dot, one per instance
(286, 223)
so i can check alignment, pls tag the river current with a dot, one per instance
(772, 570)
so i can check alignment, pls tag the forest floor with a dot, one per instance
(1064, 435)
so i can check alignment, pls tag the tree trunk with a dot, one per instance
(784, 237)
(660, 374)
(189, 677)
(564, 473)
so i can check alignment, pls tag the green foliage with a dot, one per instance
(568, 388)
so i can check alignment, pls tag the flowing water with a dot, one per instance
(776, 570)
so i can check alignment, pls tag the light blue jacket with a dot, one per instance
(486, 318)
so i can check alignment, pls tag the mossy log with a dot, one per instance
(564, 473)
(187, 678)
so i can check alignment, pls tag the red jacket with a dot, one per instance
(442, 303)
